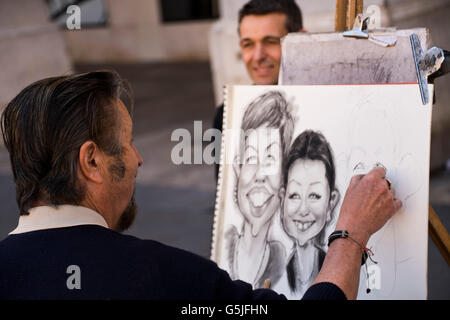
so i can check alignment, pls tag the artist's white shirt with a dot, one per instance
(47, 217)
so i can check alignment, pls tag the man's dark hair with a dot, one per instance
(45, 125)
(294, 22)
(270, 109)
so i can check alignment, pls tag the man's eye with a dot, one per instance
(315, 196)
(272, 41)
(246, 45)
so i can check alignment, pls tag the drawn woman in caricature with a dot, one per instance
(266, 133)
(309, 199)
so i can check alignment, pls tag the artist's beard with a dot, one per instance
(117, 170)
(127, 217)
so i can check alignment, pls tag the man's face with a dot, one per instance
(260, 46)
(122, 172)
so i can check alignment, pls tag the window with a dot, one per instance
(93, 12)
(186, 10)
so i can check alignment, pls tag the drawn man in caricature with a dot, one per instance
(266, 133)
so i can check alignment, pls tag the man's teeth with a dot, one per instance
(258, 199)
(303, 226)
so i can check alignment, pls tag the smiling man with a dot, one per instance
(262, 24)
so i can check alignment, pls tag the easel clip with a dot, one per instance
(426, 63)
(359, 27)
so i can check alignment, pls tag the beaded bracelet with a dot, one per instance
(344, 234)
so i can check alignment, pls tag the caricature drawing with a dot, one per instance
(267, 127)
(309, 199)
(290, 158)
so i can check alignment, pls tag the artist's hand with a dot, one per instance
(368, 205)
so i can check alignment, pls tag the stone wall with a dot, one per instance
(31, 47)
(135, 33)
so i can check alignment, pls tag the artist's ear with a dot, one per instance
(334, 200)
(91, 162)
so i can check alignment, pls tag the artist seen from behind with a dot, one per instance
(74, 165)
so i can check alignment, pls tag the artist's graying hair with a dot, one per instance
(294, 21)
(270, 109)
(45, 125)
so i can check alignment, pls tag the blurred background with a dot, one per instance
(177, 55)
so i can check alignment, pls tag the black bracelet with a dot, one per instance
(344, 234)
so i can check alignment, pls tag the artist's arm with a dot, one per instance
(367, 206)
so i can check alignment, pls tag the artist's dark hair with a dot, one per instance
(294, 21)
(311, 145)
(270, 109)
(45, 125)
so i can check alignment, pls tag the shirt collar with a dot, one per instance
(47, 217)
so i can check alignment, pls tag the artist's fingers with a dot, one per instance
(397, 204)
(391, 191)
(379, 164)
(378, 172)
(355, 179)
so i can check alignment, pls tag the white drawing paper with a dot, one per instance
(288, 154)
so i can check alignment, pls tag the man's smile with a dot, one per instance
(264, 70)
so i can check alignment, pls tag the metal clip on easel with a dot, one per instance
(430, 65)
(359, 27)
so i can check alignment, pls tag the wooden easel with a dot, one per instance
(346, 12)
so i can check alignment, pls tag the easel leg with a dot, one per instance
(439, 234)
(346, 12)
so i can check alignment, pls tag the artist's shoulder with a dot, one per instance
(161, 250)
(147, 251)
